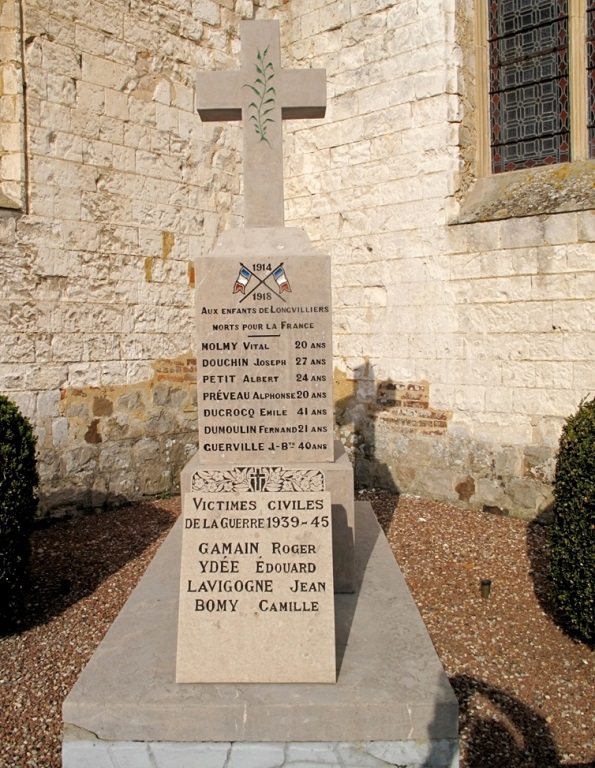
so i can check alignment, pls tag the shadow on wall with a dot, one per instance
(499, 731)
(71, 559)
(355, 415)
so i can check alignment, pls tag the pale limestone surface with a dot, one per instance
(126, 186)
(12, 134)
(338, 480)
(96, 275)
(470, 311)
(268, 242)
(405, 754)
(391, 703)
(256, 571)
(262, 95)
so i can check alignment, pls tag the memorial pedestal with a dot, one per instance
(267, 499)
(392, 703)
(264, 377)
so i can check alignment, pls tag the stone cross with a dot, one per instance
(261, 95)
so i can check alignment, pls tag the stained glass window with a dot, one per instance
(591, 75)
(528, 60)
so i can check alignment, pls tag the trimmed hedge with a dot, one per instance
(18, 504)
(573, 529)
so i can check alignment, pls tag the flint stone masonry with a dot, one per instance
(496, 316)
(122, 433)
(391, 705)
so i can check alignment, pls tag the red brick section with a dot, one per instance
(407, 406)
(182, 369)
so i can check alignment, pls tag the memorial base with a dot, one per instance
(392, 703)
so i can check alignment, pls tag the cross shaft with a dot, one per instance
(261, 95)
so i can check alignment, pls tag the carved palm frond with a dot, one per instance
(265, 92)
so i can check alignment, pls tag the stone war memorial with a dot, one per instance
(273, 627)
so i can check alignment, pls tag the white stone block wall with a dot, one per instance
(12, 135)
(459, 348)
(96, 289)
(492, 320)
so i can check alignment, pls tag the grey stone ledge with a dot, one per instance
(372, 754)
(561, 188)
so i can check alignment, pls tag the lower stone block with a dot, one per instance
(372, 754)
(338, 480)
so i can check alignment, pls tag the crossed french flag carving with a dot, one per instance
(245, 275)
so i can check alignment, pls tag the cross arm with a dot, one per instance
(304, 93)
(218, 95)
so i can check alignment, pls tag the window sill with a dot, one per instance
(532, 192)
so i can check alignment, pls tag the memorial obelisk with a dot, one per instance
(268, 498)
(260, 499)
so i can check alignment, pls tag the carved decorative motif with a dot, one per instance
(257, 480)
(264, 104)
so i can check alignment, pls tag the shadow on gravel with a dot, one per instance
(384, 504)
(512, 735)
(539, 557)
(70, 559)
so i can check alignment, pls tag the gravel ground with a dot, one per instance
(526, 690)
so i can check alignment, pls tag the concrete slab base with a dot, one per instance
(392, 703)
(370, 754)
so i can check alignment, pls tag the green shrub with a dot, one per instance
(18, 504)
(573, 528)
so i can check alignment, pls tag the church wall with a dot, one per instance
(96, 294)
(460, 348)
(12, 148)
